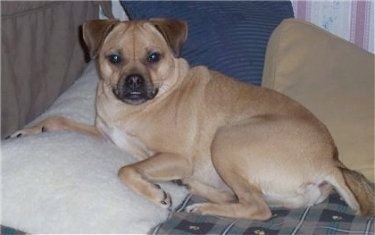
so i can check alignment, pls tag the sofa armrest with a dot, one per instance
(41, 56)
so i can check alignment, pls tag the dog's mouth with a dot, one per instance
(135, 89)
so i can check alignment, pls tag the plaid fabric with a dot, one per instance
(332, 216)
(10, 231)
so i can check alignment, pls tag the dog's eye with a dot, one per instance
(114, 59)
(153, 57)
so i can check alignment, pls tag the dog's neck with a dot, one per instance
(180, 72)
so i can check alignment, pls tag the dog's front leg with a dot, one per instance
(141, 176)
(58, 123)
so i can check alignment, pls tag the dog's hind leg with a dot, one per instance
(58, 123)
(250, 205)
(212, 194)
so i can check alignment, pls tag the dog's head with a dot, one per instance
(135, 58)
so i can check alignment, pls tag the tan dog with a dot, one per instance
(243, 147)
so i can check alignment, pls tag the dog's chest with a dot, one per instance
(125, 141)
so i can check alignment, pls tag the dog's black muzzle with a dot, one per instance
(135, 89)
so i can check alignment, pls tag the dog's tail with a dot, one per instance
(362, 190)
(356, 190)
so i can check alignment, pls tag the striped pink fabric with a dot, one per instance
(360, 22)
(352, 20)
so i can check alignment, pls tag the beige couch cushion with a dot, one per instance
(331, 77)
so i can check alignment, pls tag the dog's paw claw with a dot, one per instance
(16, 134)
(166, 202)
(193, 208)
(26, 132)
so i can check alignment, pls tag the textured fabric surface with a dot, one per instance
(331, 77)
(332, 216)
(229, 37)
(41, 56)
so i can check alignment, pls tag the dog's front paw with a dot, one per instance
(26, 132)
(54, 123)
(166, 200)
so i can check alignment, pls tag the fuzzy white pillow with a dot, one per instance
(67, 183)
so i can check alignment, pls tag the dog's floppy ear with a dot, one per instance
(174, 32)
(94, 33)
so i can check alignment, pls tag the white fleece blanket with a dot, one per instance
(67, 183)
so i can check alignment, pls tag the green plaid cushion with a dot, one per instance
(332, 216)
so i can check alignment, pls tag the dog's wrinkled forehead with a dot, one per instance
(101, 34)
(136, 38)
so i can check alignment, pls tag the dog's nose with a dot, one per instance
(135, 89)
(134, 82)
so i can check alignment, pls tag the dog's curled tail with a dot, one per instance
(362, 189)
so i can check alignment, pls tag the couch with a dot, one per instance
(67, 183)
